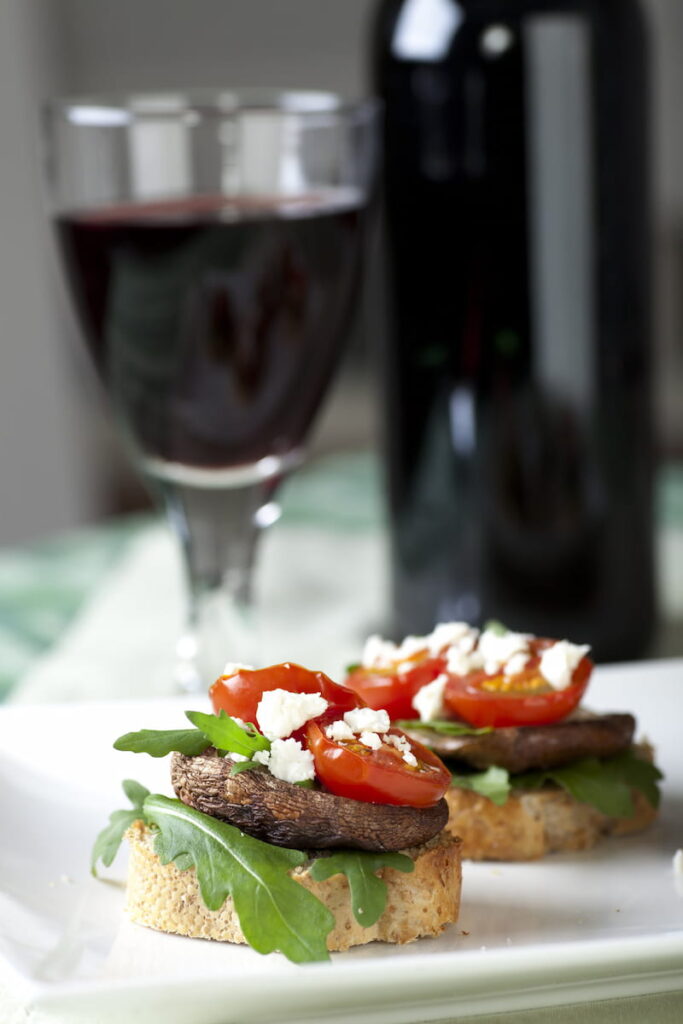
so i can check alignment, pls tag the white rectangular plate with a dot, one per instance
(600, 924)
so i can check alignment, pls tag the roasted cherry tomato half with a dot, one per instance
(348, 768)
(239, 694)
(392, 690)
(523, 699)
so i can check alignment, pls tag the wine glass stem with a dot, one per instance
(218, 532)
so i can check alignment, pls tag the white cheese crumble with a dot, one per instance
(339, 730)
(466, 650)
(516, 664)
(403, 744)
(233, 667)
(559, 662)
(411, 646)
(287, 760)
(280, 712)
(400, 742)
(371, 739)
(451, 634)
(497, 648)
(367, 720)
(459, 662)
(428, 701)
(378, 653)
(237, 757)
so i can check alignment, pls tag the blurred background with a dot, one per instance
(60, 465)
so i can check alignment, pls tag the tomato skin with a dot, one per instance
(349, 769)
(468, 699)
(239, 695)
(391, 690)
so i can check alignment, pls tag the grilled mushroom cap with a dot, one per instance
(288, 815)
(520, 749)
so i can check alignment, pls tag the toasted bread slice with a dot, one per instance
(531, 824)
(421, 903)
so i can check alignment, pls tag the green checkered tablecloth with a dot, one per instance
(43, 587)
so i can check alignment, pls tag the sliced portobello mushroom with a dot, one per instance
(288, 815)
(521, 749)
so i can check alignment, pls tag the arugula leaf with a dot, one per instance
(493, 783)
(108, 841)
(604, 784)
(444, 727)
(353, 667)
(225, 734)
(274, 911)
(160, 742)
(244, 766)
(368, 892)
(639, 774)
(495, 626)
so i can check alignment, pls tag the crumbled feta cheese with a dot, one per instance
(280, 712)
(459, 662)
(378, 653)
(289, 761)
(451, 634)
(428, 701)
(238, 757)
(339, 730)
(371, 739)
(261, 756)
(405, 666)
(516, 664)
(410, 647)
(233, 667)
(467, 643)
(400, 742)
(678, 862)
(403, 744)
(559, 661)
(367, 719)
(497, 648)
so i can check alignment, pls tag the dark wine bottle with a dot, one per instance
(517, 357)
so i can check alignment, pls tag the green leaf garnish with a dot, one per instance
(160, 742)
(274, 911)
(225, 734)
(444, 727)
(353, 667)
(244, 766)
(368, 892)
(494, 626)
(109, 840)
(493, 783)
(604, 784)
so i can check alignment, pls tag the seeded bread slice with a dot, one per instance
(531, 824)
(421, 903)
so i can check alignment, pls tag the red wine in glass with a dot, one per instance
(216, 325)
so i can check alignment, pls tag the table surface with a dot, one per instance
(57, 599)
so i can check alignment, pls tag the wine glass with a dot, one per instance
(213, 245)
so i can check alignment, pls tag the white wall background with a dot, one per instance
(55, 446)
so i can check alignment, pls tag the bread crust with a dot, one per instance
(421, 903)
(531, 824)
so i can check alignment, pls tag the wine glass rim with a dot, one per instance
(109, 110)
